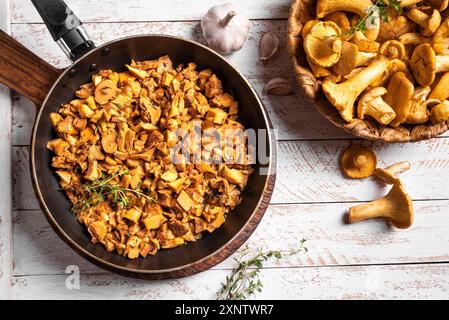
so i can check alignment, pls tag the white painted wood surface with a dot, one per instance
(6, 250)
(366, 260)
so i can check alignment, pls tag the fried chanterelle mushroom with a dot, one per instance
(117, 158)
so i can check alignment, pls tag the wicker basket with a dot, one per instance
(302, 11)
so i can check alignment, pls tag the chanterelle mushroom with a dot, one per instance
(390, 174)
(393, 49)
(440, 40)
(425, 64)
(441, 90)
(352, 58)
(322, 44)
(419, 113)
(440, 113)
(371, 104)
(413, 38)
(430, 23)
(440, 5)
(324, 7)
(358, 162)
(396, 206)
(394, 27)
(394, 66)
(343, 95)
(399, 95)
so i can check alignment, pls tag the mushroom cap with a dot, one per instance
(395, 27)
(423, 64)
(386, 176)
(358, 162)
(441, 38)
(399, 94)
(322, 45)
(440, 113)
(393, 49)
(400, 207)
(440, 91)
(434, 22)
(348, 60)
(373, 105)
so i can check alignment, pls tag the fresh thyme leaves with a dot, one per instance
(380, 7)
(99, 190)
(244, 280)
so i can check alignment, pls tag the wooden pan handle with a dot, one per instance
(23, 71)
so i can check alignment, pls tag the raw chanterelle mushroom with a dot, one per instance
(425, 64)
(440, 41)
(352, 58)
(343, 95)
(324, 7)
(371, 104)
(396, 206)
(419, 112)
(390, 174)
(441, 90)
(440, 113)
(358, 162)
(393, 49)
(399, 95)
(322, 45)
(430, 23)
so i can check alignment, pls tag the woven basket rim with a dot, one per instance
(366, 129)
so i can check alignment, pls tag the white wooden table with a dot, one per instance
(366, 260)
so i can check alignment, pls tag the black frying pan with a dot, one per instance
(48, 87)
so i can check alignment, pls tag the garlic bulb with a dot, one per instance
(224, 29)
(278, 87)
(268, 46)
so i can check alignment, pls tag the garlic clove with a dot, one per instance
(278, 87)
(268, 46)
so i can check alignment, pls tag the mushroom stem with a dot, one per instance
(430, 23)
(383, 112)
(408, 3)
(375, 209)
(333, 45)
(399, 167)
(225, 21)
(343, 95)
(442, 63)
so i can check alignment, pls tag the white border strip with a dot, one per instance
(6, 236)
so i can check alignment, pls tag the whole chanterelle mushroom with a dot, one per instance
(390, 174)
(343, 95)
(396, 206)
(440, 113)
(419, 112)
(399, 95)
(352, 58)
(322, 44)
(441, 91)
(324, 7)
(393, 49)
(425, 64)
(371, 104)
(358, 162)
(440, 40)
(430, 23)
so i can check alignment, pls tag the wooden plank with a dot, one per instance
(379, 282)
(6, 249)
(329, 240)
(309, 172)
(137, 10)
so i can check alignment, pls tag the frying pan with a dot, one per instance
(48, 87)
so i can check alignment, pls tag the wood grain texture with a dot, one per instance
(6, 245)
(308, 171)
(23, 71)
(374, 282)
(330, 242)
(138, 10)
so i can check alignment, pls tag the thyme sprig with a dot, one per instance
(244, 280)
(382, 9)
(99, 190)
